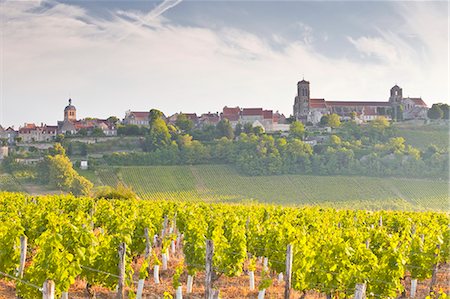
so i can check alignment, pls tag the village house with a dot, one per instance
(266, 119)
(33, 133)
(208, 119)
(9, 134)
(138, 118)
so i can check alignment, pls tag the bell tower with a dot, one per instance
(70, 112)
(395, 100)
(301, 104)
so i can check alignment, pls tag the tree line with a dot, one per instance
(352, 149)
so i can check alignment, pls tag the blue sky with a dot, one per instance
(198, 56)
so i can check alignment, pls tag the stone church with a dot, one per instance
(307, 109)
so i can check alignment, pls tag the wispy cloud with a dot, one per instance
(49, 53)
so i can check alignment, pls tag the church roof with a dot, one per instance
(417, 101)
(70, 106)
(358, 103)
(317, 103)
(303, 81)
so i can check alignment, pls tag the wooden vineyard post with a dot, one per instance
(360, 291)
(148, 251)
(164, 230)
(288, 277)
(121, 285)
(413, 288)
(209, 269)
(23, 255)
(148, 245)
(435, 268)
(380, 221)
(48, 290)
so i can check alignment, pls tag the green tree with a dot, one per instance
(435, 112)
(324, 120)
(184, 123)
(59, 138)
(334, 120)
(83, 149)
(380, 123)
(113, 120)
(154, 115)
(248, 128)
(70, 149)
(159, 135)
(224, 129)
(335, 140)
(57, 149)
(258, 130)
(82, 132)
(97, 132)
(296, 129)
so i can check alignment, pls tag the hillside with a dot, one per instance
(422, 136)
(223, 183)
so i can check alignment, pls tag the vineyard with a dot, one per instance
(159, 248)
(423, 137)
(223, 183)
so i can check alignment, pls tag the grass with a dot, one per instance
(223, 183)
(9, 183)
(422, 137)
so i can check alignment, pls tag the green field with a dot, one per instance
(9, 183)
(223, 183)
(422, 137)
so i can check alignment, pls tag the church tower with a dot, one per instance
(396, 95)
(301, 104)
(70, 112)
(395, 100)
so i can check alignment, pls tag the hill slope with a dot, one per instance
(223, 183)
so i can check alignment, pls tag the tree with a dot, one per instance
(154, 115)
(70, 149)
(238, 129)
(335, 140)
(97, 132)
(113, 120)
(258, 130)
(59, 138)
(224, 129)
(57, 149)
(159, 135)
(184, 123)
(380, 123)
(324, 120)
(334, 120)
(446, 110)
(296, 129)
(82, 132)
(435, 112)
(83, 149)
(248, 128)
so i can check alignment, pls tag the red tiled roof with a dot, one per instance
(268, 114)
(191, 116)
(418, 102)
(370, 110)
(317, 103)
(357, 103)
(140, 115)
(252, 111)
(231, 110)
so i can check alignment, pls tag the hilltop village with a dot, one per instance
(310, 111)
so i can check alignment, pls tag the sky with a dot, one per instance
(199, 56)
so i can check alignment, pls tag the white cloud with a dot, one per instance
(109, 66)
